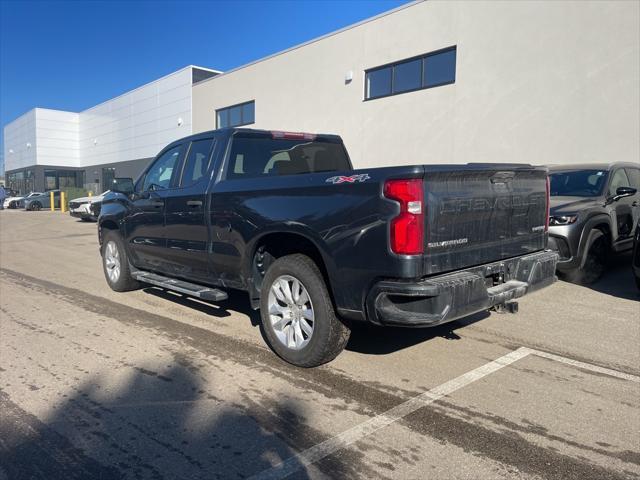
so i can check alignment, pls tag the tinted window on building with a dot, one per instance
(50, 180)
(197, 163)
(236, 115)
(440, 68)
(429, 70)
(379, 82)
(249, 112)
(222, 118)
(407, 76)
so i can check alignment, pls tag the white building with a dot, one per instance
(48, 149)
(534, 82)
(429, 82)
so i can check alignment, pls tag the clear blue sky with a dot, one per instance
(73, 55)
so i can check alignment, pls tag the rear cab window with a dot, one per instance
(263, 155)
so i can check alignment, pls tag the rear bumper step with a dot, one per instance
(188, 288)
(444, 298)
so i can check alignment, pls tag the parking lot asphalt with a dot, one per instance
(149, 384)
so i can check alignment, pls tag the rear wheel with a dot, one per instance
(298, 318)
(116, 264)
(594, 264)
(36, 206)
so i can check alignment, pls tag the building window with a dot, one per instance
(56, 179)
(236, 115)
(426, 71)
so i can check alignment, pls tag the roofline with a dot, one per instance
(204, 68)
(218, 72)
(19, 117)
(317, 39)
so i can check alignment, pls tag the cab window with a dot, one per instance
(159, 176)
(197, 163)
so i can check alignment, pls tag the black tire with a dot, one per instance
(593, 266)
(36, 206)
(330, 335)
(123, 282)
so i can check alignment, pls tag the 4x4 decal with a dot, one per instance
(362, 177)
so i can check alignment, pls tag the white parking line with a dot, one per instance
(333, 444)
(587, 366)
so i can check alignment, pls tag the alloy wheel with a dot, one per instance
(291, 312)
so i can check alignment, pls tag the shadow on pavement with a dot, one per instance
(237, 302)
(365, 338)
(617, 280)
(373, 340)
(158, 426)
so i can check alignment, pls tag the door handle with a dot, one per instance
(194, 203)
(157, 203)
(634, 204)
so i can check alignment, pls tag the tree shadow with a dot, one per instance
(373, 340)
(155, 426)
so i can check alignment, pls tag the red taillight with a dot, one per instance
(293, 135)
(406, 235)
(546, 222)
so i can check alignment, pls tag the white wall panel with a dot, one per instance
(17, 135)
(126, 127)
(134, 125)
(56, 137)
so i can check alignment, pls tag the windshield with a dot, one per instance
(577, 183)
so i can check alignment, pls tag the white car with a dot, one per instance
(81, 207)
(18, 202)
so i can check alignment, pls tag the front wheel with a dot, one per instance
(298, 318)
(594, 264)
(36, 206)
(116, 264)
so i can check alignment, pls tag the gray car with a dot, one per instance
(594, 208)
(42, 201)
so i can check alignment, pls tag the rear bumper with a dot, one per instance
(444, 298)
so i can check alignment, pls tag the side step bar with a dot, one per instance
(188, 288)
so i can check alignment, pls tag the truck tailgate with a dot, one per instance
(477, 214)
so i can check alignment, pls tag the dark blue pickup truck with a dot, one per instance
(318, 245)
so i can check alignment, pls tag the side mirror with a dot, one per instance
(122, 185)
(623, 192)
